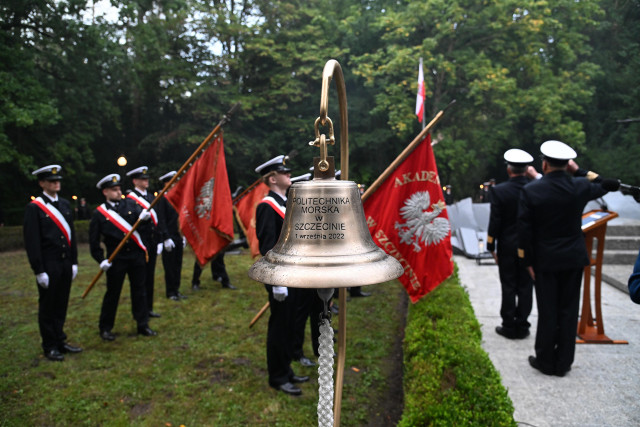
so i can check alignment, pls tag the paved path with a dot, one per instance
(603, 387)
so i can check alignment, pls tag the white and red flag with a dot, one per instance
(245, 210)
(407, 218)
(421, 94)
(202, 198)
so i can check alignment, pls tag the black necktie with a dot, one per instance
(55, 204)
(115, 205)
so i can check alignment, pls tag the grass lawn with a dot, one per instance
(205, 367)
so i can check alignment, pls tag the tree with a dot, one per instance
(519, 72)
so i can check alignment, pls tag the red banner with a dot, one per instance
(407, 218)
(202, 198)
(245, 211)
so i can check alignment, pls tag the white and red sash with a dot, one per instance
(115, 218)
(145, 205)
(275, 205)
(55, 216)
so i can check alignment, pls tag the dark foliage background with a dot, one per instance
(151, 81)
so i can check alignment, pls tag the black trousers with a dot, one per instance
(172, 263)
(558, 299)
(150, 274)
(307, 305)
(135, 268)
(218, 271)
(280, 338)
(517, 292)
(53, 302)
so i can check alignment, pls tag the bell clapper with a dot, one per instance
(325, 362)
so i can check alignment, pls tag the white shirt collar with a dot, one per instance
(143, 192)
(53, 199)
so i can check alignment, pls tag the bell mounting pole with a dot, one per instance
(332, 68)
(168, 185)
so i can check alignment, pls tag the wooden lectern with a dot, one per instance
(590, 331)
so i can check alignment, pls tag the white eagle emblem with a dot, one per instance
(204, 201)
(421, 224)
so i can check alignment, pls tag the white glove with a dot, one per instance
(159, 248)
(144, 215)
(105, 265)
(74, 271)
(169, 245)
(184, 242)
(43, 280)
(280, 293)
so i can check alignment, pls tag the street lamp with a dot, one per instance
(122, 161)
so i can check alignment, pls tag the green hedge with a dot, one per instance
(448, 377)
(11, 237)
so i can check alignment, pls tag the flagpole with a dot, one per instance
(225, 119)
(424, 100)
(373, 187)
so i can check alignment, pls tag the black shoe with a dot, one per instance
(536, 365)
(229, 286)
(107, 335)
(289, 389)
(153, 314)
(359, 294)
(146, 331)
(560, 373)
(195, 286)
(181, 296)
(506, 332)
(305, 361)
(68, 348)
(54, 355)
(298, 379)
(522, 333)
(172, 298)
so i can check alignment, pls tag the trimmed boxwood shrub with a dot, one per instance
(448, 377)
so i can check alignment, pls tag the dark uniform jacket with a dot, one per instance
(44, 240)
(168, 222)
(112, 235)
(148, 230)
(550, 236)
(505, 198)
(268, 223)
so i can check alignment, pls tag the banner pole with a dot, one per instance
(405, 153)
(168, 185)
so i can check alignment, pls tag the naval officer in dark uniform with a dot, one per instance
(50, 240)
(172, 246)
(150, 230)
(551, 244)
(516, 284)
(110, 222)
(269, 219)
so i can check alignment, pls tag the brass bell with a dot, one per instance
(325, 241)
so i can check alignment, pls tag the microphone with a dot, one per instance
(628, 190)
